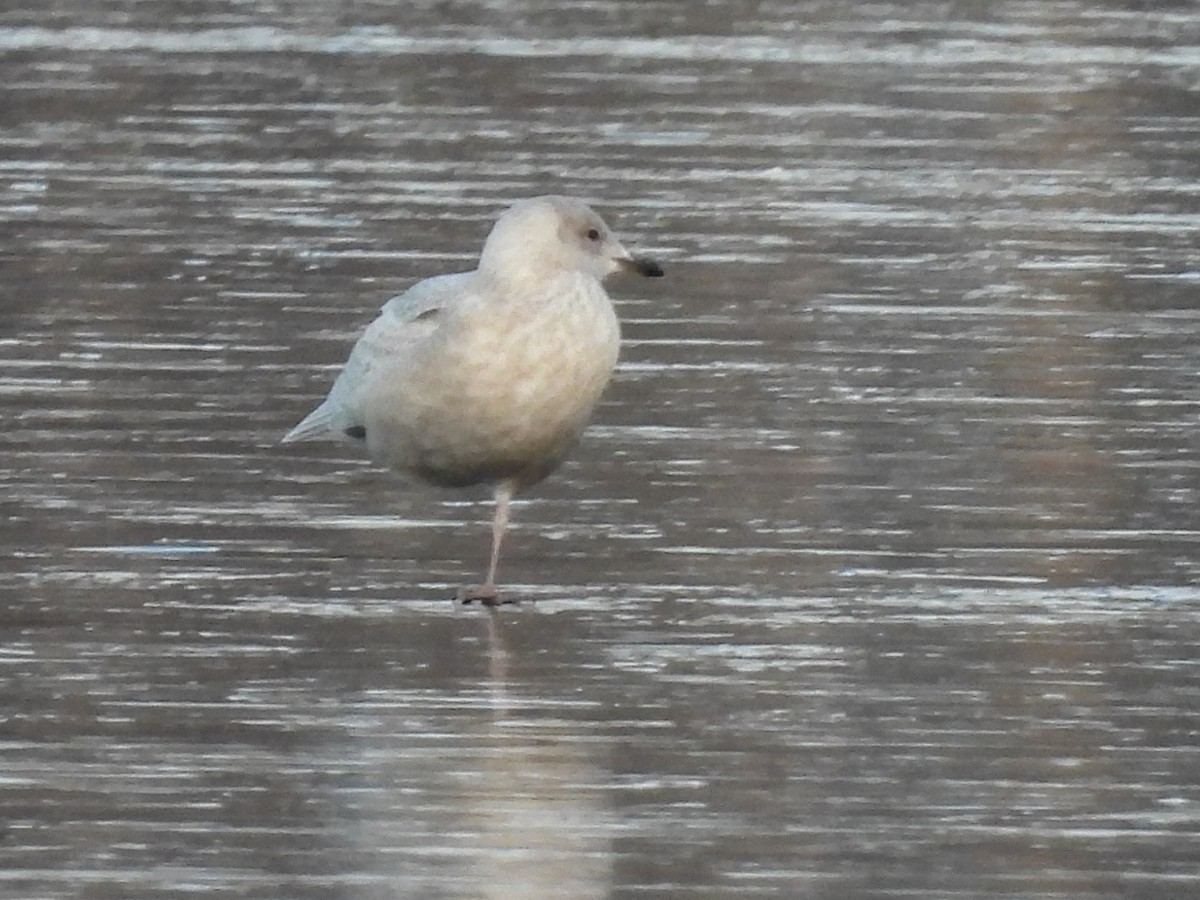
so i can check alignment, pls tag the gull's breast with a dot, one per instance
(506, 393)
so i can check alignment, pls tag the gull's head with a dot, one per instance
(544, 236)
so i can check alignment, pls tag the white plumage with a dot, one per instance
(488, 376)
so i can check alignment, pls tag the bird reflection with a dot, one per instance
(497, 653)
(486, 777)
(539, 811)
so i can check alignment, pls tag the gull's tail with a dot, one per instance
(317, 424)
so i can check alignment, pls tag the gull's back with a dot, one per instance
(404, 329)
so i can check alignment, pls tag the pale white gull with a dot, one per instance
(488, 376)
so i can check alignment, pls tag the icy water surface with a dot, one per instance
(875, 578)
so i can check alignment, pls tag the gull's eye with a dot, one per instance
(593, 234)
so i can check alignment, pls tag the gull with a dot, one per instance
(489, 376)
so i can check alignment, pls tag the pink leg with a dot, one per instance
(499, 524)
(486, 592)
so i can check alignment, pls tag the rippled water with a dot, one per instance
(874, 578)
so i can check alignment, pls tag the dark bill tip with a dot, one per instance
(643, 266)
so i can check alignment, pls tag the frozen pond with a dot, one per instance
(876, 576)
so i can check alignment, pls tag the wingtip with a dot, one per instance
(313, 426)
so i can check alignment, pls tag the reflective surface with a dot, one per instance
(874, 578)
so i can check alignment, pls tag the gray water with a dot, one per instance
(875, 577)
